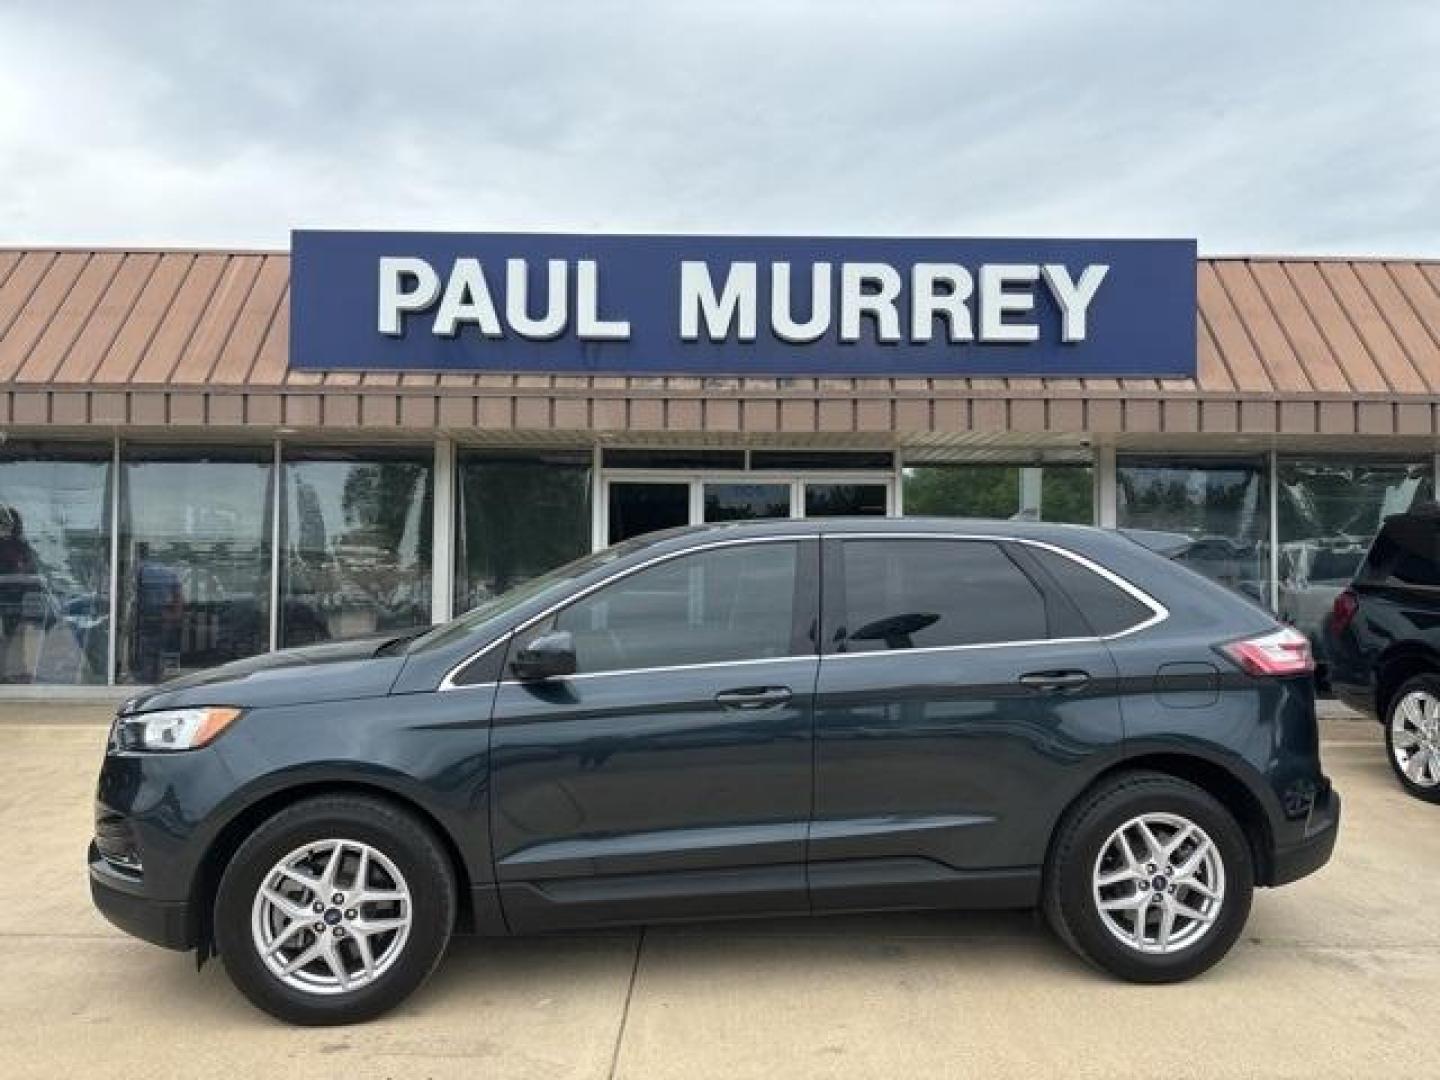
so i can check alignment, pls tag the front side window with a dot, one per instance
(918, 594)
(723, 605)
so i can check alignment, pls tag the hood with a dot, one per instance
(334, 671)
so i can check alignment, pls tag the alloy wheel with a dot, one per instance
(1415, 737)
(1159, 883)
(331, 917)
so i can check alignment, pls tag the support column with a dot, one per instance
(442, 543)
(1106, 498)
(112, 646)
(1272, 463)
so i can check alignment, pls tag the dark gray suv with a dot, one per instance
(792, 717)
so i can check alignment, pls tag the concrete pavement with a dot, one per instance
(1335, 976)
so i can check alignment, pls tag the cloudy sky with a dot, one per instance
(1255, 126)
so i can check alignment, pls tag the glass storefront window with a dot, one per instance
(518, 516)
(1025, 492)
(194, 559)
(356, 543)
(1221, 506)
(54, 563)
(1329, 512)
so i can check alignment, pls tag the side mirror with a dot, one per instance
(549, 656)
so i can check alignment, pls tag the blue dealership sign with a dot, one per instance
(732, 305)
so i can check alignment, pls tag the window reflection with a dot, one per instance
(1329, 513)
(1222, 507)
(356, 548)
(54, 563)
(194, 559)
(844, 500)
(1012, 492)
(519, 516)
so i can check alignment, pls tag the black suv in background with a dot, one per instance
(767, 718)
(1382, 641)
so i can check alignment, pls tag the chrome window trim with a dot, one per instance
(448, 683)
(1159, 613)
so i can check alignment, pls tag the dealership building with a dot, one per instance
(201, 462)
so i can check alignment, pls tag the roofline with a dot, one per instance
(202, 249)
(1412, 259)
(122, 249)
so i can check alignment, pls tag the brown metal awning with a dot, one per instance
(199, 339)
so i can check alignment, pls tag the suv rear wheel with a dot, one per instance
(334, 910)
(1149, 878)
(1412, 736)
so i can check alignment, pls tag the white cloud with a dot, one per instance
(1280, 127)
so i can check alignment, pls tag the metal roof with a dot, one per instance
(1305, 346)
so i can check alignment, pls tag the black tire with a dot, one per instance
(1428, 684)
(1069, 897)
(387, 829)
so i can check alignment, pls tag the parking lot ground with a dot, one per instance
(1338, 975)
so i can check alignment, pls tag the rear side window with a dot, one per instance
(1405, 553)
(918, 594)
(1106, 608)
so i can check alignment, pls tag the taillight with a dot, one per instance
(1281, 652)
(1342, 612)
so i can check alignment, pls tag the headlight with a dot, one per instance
(173, 729)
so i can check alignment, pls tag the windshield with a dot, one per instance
(555, 581)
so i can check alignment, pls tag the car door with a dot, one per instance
(960, 701)
(670, 775)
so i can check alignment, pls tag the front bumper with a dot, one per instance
(122, 900)
(1294, 861)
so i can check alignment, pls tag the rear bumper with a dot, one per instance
(122, 900)
(1292, 862)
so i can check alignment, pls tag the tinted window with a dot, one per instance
(732, 603)
(1405, 553)
(1107, 608)
(915, 594)
(518, 517)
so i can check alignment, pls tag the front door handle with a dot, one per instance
(753, 697)
(1055, 682)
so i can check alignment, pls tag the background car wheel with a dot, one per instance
(1149, 878)
(334, 910)
(1412, 736)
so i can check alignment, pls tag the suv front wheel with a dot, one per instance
(334, 910)
(1149, 878)
(1412, 736)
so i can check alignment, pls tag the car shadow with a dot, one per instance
(496, 972)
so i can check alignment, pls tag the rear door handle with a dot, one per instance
(1055, 682)
(753, 697)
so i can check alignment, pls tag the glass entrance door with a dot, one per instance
(826, 498)
(737, 501)
(635, 502)
(635, 507)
